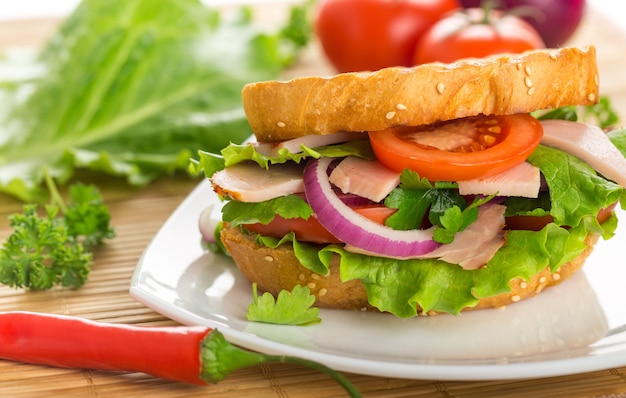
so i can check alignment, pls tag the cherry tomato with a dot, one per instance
(311, 230)
(461, 149)
(555, 20)
(476, 32)
(359, 35)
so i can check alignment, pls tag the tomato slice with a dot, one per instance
(311, 230)
(536, 223)
(461, 149)
(528, 223)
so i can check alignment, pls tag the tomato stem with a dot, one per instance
(220, 358)
(488, 6)
(55, 196)
(519, 11)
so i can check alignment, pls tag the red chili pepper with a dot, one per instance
(192, 354)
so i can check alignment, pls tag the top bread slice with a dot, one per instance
(424, 94)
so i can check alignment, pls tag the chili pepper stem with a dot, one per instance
(220, 358)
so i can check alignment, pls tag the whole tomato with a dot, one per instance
(476, 32)
(359, 35)
(555, 20)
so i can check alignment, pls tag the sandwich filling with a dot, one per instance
(526, 203)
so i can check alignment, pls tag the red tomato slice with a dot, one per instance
(536, 223)
(528, 223)
(461, 149)
(311, 230)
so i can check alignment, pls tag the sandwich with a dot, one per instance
(423, 190)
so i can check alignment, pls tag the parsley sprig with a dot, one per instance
(53, 248)
(288, 308)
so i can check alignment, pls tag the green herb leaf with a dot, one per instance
(40, 253)
(454, 219)
(415, 197)
(290, 206)
(49, 250)
(134, 89)
(289, 308)
(87, 217)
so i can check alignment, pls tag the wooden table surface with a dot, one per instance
(138, 213)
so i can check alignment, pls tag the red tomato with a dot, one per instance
(359, 35)
(528, 223)
(555, 20)
(311, 230)
(461, 149)
(468, 33)
(536, 223)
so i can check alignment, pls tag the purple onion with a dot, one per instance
(354, 229)
(207, 224)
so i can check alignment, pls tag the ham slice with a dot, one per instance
(471, 248)
(365, 178)
(478, 243)
(311, 141)
(590, 144)
(522, 180)
(247, 182)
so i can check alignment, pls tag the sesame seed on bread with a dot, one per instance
(424, 94)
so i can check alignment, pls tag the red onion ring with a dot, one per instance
(207, 224)
(354, 229)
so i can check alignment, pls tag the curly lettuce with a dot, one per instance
(402, 287)
(133, 89)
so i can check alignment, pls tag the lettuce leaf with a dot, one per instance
(210, 163)
(405, 287)
(402, 286)
(618, 138)
(289, 206)
(308, 254)
(576, 190)
(133, 89)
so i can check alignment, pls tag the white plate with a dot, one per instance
(575, 327)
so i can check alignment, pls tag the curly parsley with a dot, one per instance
(54, 248)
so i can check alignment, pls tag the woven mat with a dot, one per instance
(137, 215)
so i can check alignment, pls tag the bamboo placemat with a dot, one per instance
(138, 213)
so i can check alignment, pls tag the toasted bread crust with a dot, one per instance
(425, 94)
(274, 270)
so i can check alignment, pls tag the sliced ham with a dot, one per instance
(247, 182)
(522, 180)
(590, 144)
(311, 141)
(471, 248)
(478, 243)
(365, 178)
